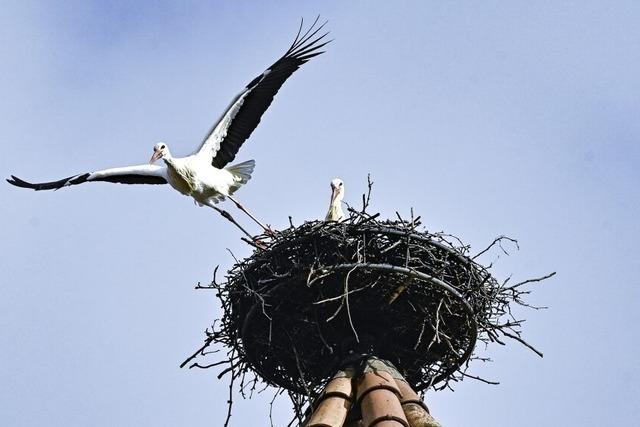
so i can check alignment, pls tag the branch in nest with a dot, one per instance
(367, 199)
(539, 279)
(480, 379)
(520, 340)
(498, 241)
(207, 343)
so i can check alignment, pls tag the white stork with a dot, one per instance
(335, 212)
(204, 175)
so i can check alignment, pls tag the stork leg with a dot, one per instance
(228, 216)
(267, 230)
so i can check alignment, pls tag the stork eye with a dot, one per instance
(162, 147)
(340, 185)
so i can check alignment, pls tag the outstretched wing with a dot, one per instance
(244, 113)
(140, 174)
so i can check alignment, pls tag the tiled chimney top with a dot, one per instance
(373, 394)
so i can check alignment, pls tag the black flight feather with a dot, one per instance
(263, 88)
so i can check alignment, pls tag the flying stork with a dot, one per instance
(204, 175)
(335, 212)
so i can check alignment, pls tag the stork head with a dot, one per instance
(160, 150)
(337, 190)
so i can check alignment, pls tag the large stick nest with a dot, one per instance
(325, 294)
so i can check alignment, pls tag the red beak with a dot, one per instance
(334, 194)
(157, 154)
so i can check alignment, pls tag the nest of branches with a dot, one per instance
(326, 294)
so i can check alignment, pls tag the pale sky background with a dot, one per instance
(489, 118)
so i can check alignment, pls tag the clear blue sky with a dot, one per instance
(488, 118)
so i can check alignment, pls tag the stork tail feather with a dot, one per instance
(242, 171)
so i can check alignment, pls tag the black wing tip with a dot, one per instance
(14, 180)
(305, 43)
(54, 185)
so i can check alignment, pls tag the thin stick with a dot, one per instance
(230, 401)
(199, 351)
(498, 240)
(523, 342)
(480, 379)
(539, 279)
